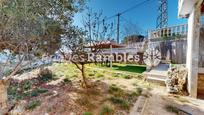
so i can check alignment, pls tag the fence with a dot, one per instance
(174, 50)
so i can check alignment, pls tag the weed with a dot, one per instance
(74, 76)
(116, 91)
(99, 75)
(132, 96)
(67, 80)
(171, 109)
(113, 88)
(127, 76)
(117, 75)
(121, 102)
(37, 92)
(135, 84)
(87, 113)
(45, 75)
(84, 101)
(183, 100)
(27, 85)
(91, 74)
(32, 105)
(106, 110)
(139, 91)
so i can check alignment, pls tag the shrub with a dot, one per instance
(106, 110)
(32, 105)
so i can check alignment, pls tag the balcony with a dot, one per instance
(169, 32)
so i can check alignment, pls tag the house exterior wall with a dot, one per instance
(193, 50)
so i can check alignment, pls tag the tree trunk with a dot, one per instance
(3, 95)
(84, 75)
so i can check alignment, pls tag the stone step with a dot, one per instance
(157, 80)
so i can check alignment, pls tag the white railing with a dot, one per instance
(173, 31)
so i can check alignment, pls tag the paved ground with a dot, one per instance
(160, 98)
(156, 105)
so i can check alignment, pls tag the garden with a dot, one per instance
(58, 89)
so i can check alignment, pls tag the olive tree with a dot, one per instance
(82, 41)
(31, 28)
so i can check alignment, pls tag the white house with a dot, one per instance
(192, 9)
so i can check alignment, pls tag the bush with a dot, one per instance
(32, 105)
(106, 110)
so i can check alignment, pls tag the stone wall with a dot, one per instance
(201, 84)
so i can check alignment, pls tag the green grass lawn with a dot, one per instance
(133, 68)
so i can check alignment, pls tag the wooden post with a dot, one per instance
(193, 49)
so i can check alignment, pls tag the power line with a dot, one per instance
(132, 8)
(118, 15)
(125, 11)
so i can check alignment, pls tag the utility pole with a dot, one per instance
(118, 28)
(162, 19)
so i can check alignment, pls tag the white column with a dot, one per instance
(193, 50)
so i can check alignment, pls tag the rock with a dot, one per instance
(176, 79)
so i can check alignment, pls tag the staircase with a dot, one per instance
(158, 74)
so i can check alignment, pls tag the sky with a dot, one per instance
(143, 17)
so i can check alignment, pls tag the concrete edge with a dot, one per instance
(140, 105)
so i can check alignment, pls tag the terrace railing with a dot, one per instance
(173, 31)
